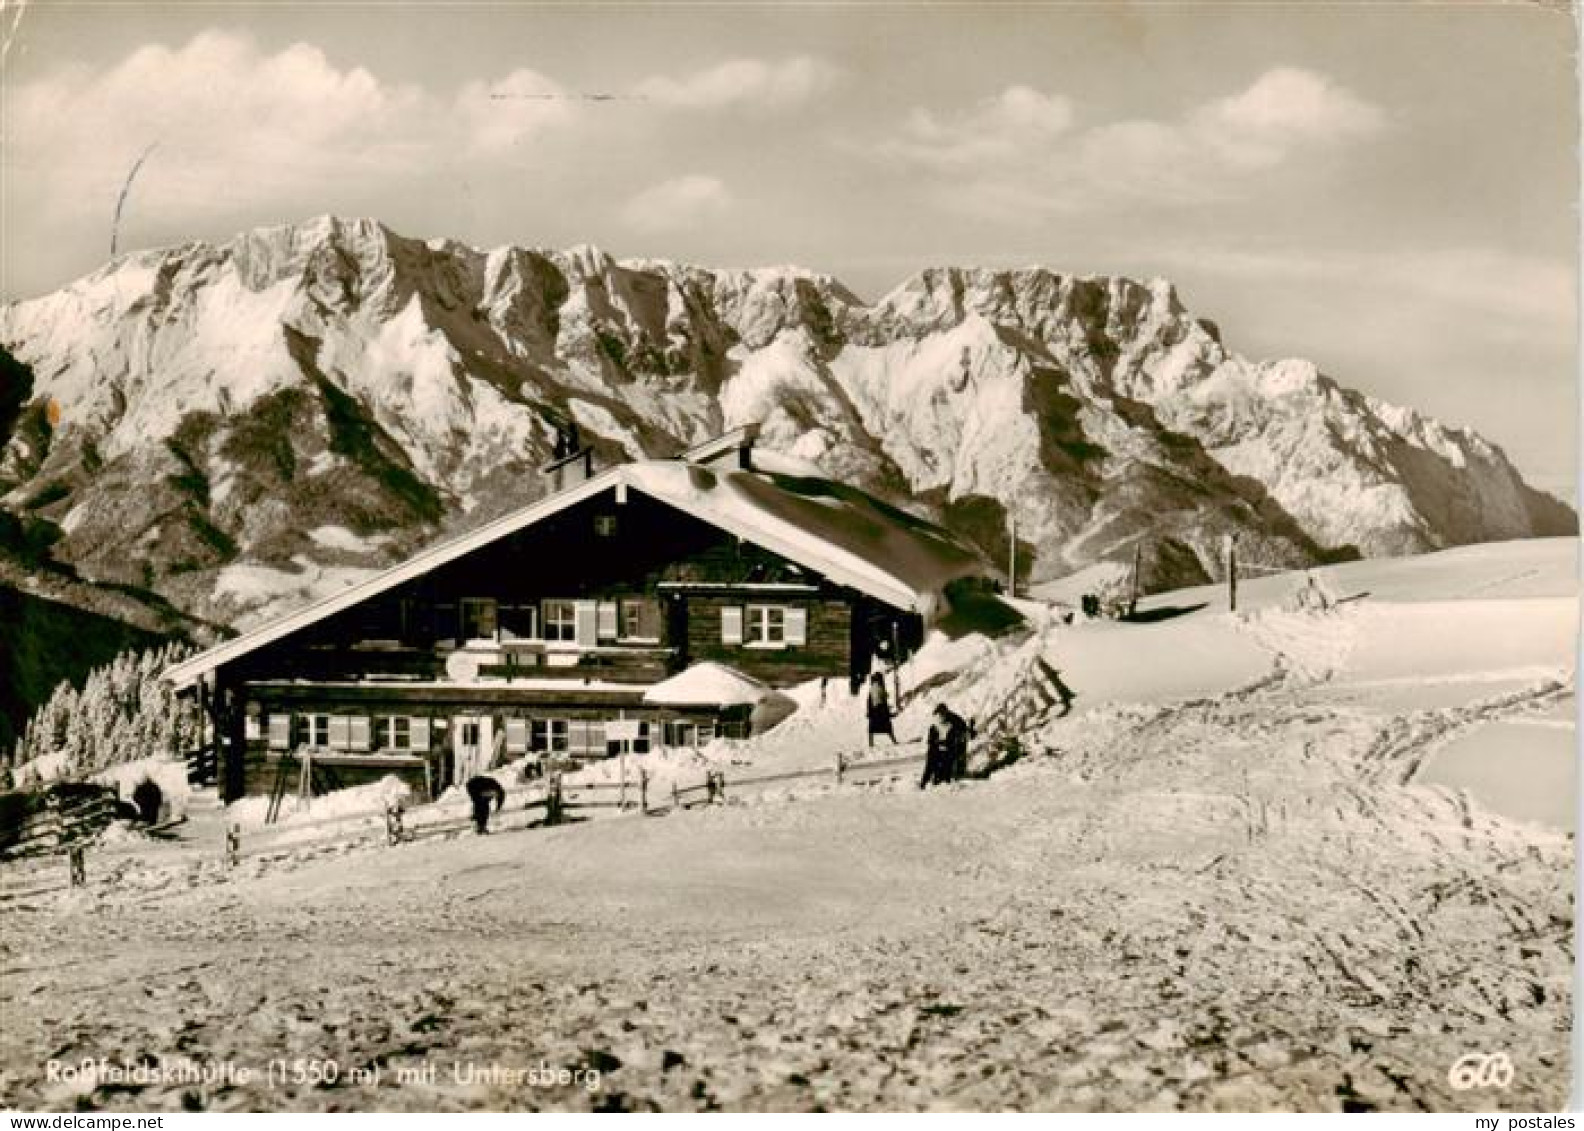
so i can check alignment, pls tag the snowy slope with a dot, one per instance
(1230, 879)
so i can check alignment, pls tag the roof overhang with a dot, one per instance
(839, 565)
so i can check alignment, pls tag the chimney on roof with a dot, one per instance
(571, 461)
(732, 449)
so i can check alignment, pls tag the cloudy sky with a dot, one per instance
(1387, 190)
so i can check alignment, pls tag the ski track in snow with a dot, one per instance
(1238, 899)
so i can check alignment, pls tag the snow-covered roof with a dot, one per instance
(839, 531)
(832, 529)
(706, 684)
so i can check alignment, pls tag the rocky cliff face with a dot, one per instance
(228, 425)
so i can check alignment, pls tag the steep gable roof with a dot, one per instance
(838, 531)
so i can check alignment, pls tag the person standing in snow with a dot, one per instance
(946, 752)
(1311, 598)
(484, 791)
(879, 710)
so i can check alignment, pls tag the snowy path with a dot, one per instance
(1202, 906)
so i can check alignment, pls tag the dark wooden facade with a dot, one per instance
(549, 635)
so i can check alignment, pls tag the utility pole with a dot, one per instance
(1012, 555)
(1134, 595)
(1231, 568)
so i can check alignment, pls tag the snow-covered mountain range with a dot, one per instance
(217, 423)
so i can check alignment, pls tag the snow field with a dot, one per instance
(1215, 884)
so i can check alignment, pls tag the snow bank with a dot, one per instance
(1121, 662)
(1537, 567)
(707, 684)
(170, 776)
(1440, 639)
(360, 800)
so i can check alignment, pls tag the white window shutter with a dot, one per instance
(607, 620)
(731, 624)
(340, 731)
(586, 631)
(420, 734)
(516, 736)
(360, 733)
(279, 731)
(797, 626)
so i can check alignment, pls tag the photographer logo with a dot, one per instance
(1479, 1070)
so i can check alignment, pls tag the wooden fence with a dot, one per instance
(47, 853)
(552, 802)
(202, 766)
(43, 875)
(60, 823)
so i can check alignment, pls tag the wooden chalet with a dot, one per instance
(542, 631)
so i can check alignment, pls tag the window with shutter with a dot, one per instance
(279, 731)
(796, 626)
(560, 620)
(420, 734)
(732, 624)
(766, 626)
(393, 732)
(549, 735)
(607, 620)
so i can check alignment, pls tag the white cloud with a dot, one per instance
(682, 202)
(1024, 149)
(744, 84)
(1012, 123)
(1283, 109)
(237, 127)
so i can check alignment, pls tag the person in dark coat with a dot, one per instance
(946, 752)
(148, 797)
(879, 710)
(485, 791)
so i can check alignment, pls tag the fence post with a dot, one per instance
(841, 766)
(393, 824)
(553, 800)
(720, 786)
(676, 796)
(79, 875)
(643, 789)
(233, 850)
